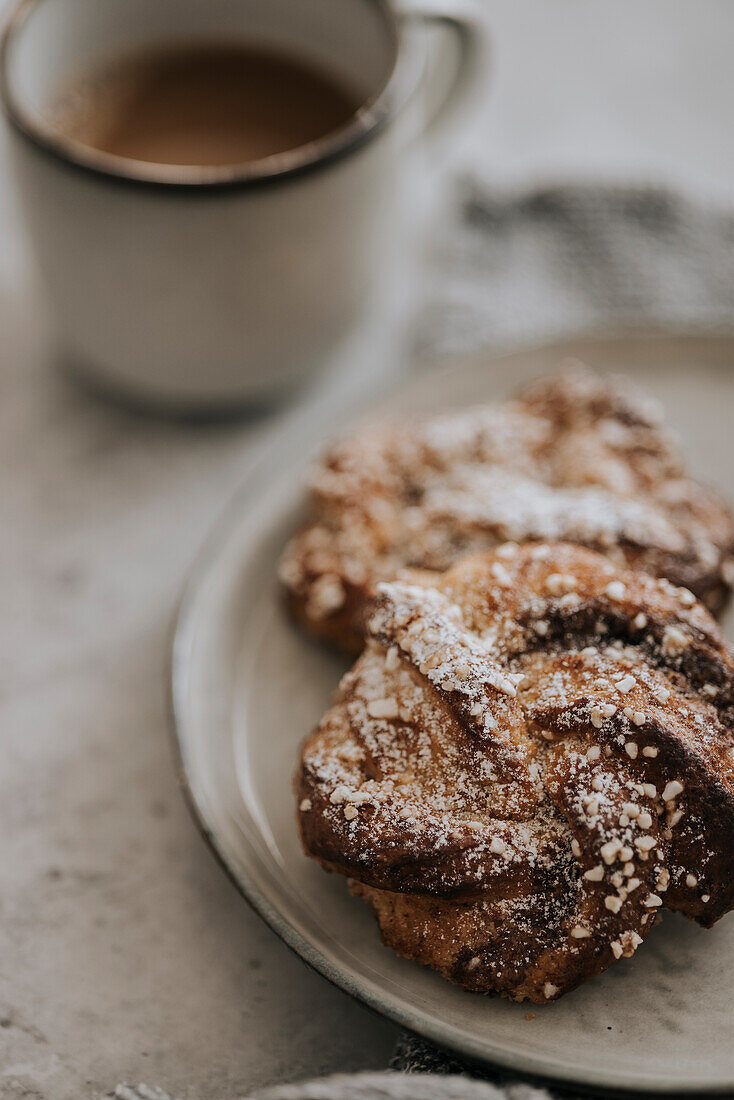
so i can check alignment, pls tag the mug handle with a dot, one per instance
(461, 59)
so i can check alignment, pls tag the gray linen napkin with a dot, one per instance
(572, 259)
(369, 1086)
(528, 267)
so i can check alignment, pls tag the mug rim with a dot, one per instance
(363, 125)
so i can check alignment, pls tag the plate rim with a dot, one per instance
(540, 1068)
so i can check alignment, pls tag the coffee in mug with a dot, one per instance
(204, 104)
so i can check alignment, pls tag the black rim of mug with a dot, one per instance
(368, 121)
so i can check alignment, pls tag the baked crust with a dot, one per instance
(531, 757)
(578, 457)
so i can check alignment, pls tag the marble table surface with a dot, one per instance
(125, 954)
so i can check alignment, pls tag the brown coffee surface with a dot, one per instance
(204, 105)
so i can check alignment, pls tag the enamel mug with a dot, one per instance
(196, 288)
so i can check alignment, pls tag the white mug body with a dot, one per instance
(200, 297)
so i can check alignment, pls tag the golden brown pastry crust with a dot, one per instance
(531, 757)
(578, 457)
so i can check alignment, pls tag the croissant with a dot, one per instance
(532, 757)
(578, 457)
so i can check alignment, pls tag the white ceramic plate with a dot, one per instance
(248, 686)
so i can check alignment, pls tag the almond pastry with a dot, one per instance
(578, 457)
(531, 758)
